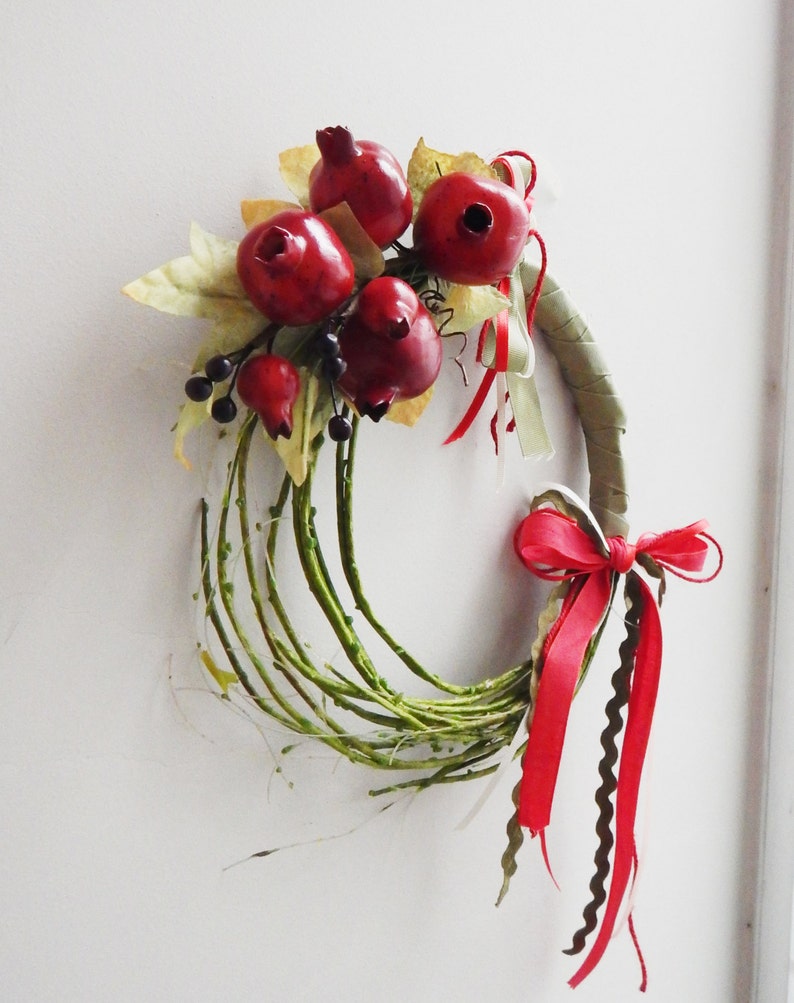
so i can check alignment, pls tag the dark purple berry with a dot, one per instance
(333, 368)
(198, 388)
(327, 345)
(339, 428)
(219, 368)
(224, 410)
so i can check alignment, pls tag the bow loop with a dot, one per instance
(683, 551)
(553, 546)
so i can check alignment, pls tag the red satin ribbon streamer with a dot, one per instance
(554, 547)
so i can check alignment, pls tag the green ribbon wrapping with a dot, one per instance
(599, 408)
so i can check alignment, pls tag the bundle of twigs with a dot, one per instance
(457, 732)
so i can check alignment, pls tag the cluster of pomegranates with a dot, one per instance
(379, 343)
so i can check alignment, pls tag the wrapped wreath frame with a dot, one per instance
(459, 733)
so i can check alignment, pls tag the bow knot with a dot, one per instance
(622, 554)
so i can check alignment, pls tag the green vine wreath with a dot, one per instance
(322, 319)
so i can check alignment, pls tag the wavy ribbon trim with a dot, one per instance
(555, 547)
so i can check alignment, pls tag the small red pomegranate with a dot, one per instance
(269, 385)
(387, 306)
(294, 268)
(470, 229)
(366, 176)
(384, 361)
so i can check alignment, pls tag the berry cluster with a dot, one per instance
(268, 384)
(200, 387)
(378, 344)
(333, 367)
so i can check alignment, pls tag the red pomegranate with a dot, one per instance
(294, 268)
(470, 229)
(391, 348)
(366, 176)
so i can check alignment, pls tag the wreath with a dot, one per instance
(324, 320)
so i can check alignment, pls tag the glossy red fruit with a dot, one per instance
(470, 229)
(387, 306)
(382, 369)
(269, 385)
(366, 176)
(294, 268)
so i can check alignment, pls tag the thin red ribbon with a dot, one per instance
(501, 325)
(553, 546)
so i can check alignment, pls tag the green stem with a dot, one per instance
(345, 463)
(436, 724)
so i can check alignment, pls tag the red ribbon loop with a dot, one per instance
(554, 547)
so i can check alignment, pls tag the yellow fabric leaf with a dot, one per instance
(223, 678)
(472, 305)
(256, 211)
(426, 165)
(365, 254)
(410, 411)
(191, 415)
(295, 166)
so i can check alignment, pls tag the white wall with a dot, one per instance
(126, 788)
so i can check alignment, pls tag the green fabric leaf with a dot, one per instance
(426, 165)
(232, 332)
(310, 414)
(201, 284)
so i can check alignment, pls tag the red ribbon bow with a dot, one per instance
(554, 547)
